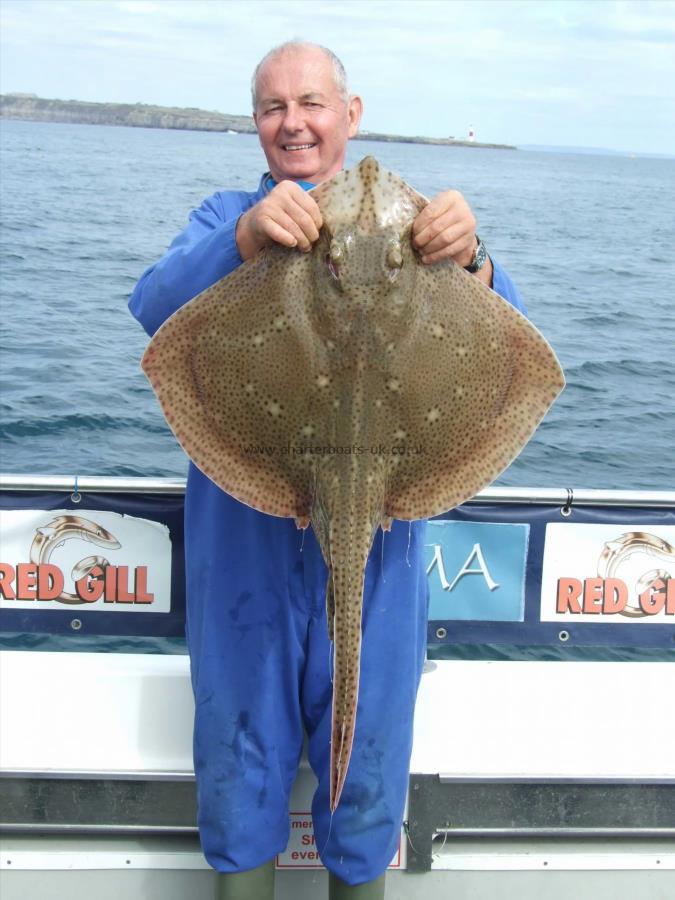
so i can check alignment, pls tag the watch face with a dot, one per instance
(479, 257)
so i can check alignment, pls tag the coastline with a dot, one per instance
(29, 107)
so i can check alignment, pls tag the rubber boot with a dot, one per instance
(254, 884)
(340, 890)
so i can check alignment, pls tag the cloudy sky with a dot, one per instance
(595, 73)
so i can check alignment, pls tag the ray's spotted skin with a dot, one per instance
(350, 386)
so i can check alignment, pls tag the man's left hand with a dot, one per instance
(446, 229)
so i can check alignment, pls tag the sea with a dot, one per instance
(588, 239)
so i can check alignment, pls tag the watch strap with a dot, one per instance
(479, 258)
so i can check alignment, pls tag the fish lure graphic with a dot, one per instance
(616, 552)
(67, 528)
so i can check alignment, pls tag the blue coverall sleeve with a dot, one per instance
(502, 285)
(202, 254)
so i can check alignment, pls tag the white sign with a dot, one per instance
(53, 559)
(616, 573)
(302, 853)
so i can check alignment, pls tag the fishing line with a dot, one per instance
(330, 674)
(406, 828)
(331, 649)
(408, 547)
(331, 657)
(445, 837)
(384, 580)
(330, 828)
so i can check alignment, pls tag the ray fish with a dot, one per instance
(351, 386)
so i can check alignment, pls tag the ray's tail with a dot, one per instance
(350, 541)
(347, 657)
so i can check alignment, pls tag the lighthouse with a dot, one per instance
(472, 133)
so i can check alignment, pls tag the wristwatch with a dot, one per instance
(479, 258)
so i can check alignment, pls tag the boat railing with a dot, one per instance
(545, 496)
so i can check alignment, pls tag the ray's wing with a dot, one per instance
(476, 379)
(235, 371)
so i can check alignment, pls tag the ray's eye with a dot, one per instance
(332, 267)
(333, 258)
(394, 256)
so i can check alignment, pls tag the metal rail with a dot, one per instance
(513, 495)
(442, 808)
(98, 775)
(165, 803)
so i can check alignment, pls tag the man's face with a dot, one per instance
(303, 122)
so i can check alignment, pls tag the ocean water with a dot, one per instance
(590, 240)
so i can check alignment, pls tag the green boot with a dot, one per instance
(254, 884)
(340, 890)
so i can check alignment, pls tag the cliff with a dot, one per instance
(141, 115)
(134, 115)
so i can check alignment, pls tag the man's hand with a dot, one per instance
(446, 229)
(287, 216)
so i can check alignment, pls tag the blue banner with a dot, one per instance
(594, 577)
(498, 573)
(476, 570)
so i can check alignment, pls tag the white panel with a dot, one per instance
(54, 861)
(95, 712)
(132, 712)
(559, 719)
(536, 862)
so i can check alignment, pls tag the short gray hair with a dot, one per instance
(339, 74)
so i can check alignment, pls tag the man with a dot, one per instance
(256, 619)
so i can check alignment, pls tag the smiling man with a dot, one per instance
(304, 114)
(256, 618)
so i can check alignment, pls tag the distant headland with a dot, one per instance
(141, 115)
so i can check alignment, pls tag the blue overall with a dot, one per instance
(258, 638)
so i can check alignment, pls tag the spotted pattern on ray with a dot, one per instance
(353, 344)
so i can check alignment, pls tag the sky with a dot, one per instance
(591, 73)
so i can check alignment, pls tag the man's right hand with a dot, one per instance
(287, 216)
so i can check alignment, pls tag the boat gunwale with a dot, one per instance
(537, 496)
